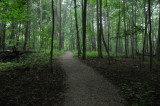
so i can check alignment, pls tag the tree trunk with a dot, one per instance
(78, 42)
(12, 33)
(27, 28)
(0, 37)
(132, 35)
(4, 37)
(64, 24)
(40, 7)
(51, 52)
(150, 29)
(93, 37)
(118, 33)
(135, 25)
(84, 30)
(18, 35)
(98, 34)
(126, 54)
(158, 45)
(26, 37)
(146, 26)
(104, 42)
(108, 22)
(60, 38)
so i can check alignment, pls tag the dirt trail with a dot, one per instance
(85, 86)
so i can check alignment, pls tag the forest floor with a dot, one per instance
(31, 83)
(86, 87)
(138, 85)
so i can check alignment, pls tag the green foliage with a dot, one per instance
(143, 98)
(90, 53)
(30, 60)
(14, 10)
(9, 66)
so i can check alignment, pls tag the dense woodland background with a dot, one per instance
(120, 27)
(109, 29)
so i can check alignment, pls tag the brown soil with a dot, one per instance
(36, 86)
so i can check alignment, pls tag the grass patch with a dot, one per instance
(90, 54)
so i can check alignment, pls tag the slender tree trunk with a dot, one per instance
(99, 34)
(150, 29)
(104, 42)
(126, 54)
(4, 37)
(78, 42)
(27, 28)
(82, 19)
(72, 39)
(93, 34)
(118, 33)
(26, 37)
(60, 38)
(34, 38)
(84, 30)
(158, 45)
(64, 24)
(117, 39)
(51, 52)
(18, 35)
(135, 25)
(93, 37)
(40, 7)
(132, 35)
(108, 22)
(146, 26)
(0, 37)
(12, 33)
(56, 19)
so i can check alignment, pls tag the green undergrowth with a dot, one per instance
(94, 54)
(29, 60)
(155, 60)
(90, 54)
(30, 82)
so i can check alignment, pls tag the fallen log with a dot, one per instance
(9, 55)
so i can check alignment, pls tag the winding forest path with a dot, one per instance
(85, 86)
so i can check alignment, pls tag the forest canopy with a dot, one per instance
(124, 26)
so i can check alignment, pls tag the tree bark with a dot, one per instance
(12, 33)
(158, 46)
(40, 7)
(135, 25)
(118, 33)
(51, 52)
(84, 30)
(132, 35)
(0, 37)
(93, 37)
(126, 54)
(98, 34)
(4, 37)
(18, 35)
(78, 42)
(146, 26)
(150, 29)
(108, 22)
(60, 38)
(27, 29)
